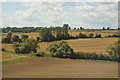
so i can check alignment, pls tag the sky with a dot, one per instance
(76, 14)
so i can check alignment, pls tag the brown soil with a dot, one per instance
(38, 67)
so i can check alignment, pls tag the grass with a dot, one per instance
(11, 57)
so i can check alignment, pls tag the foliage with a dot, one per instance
(3, 49)
(98, 36)
(7, 39)
(38, 39)
(60, 49)
(24, 36)
(81, 35)
(86, 55)
(114, 51)
(15, 38)
(29, 45)
(91, 35)
(46, 35)
(41, 54)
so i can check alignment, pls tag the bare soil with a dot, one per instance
(44, 67)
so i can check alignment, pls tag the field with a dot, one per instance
(60, 68)
(30, 66)
(71, 32)
(98, 45)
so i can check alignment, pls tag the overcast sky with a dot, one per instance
(76, 14)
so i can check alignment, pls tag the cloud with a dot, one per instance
(88, 15)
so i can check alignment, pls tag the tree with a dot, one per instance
(9, 34)
(46, 35)
(74, 27)
(81, 35)
(118, 28)
(69, 27)
(38, 39)
(91, 35)
(24, 36)
(103, 28)
(98, 36)
(108, 28)
(7, 39)
(29, 45)
(60, 49)
(114, 51)
(65, 31)
(16, 38)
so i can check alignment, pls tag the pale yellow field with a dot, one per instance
(98, 45)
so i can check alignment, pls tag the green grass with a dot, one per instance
(14, 58)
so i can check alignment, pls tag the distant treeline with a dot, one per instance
(36, 29)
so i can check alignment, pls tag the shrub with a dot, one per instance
(81, 35)
(60, 49)
(86, 55)
(91, 35)
(24, 36)
(98, 36)
(3, 49)
(114, 51)
(41, 54)
(29, 45)
(6, 40)
(38, 39)
(16, 38)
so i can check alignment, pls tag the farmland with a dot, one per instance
(22, 65)
(98, 45)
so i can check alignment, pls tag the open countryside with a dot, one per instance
(43, 40)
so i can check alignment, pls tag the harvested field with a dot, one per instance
(72, 32)
(98, 45)
(60, 68)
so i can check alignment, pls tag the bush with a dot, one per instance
(16, 38)
(98, 36)
(29, 45)
(114, 51)
(41, 54)
(60, 49)
(91, 35)
(6, 40)
(3, 49)
(81, 35)
(24, 36)
(86, 55)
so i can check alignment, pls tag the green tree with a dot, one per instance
(91, 35)
(60, 49)
(114, 51)
(24, 36)
(7, 39)
(15, 38)
(98, 35)
(9, 34)
(29, 45)
(65, 31)
(38, 39)
(81, 35)
(46, 35)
